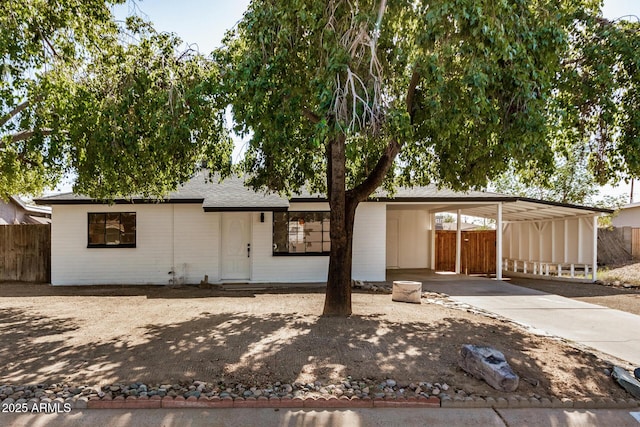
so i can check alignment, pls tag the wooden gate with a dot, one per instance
(25, 252)
(478, 254)
(635, 243)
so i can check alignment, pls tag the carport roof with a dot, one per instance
(232, 195)
(483, 204)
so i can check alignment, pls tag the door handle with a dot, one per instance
(248, 250)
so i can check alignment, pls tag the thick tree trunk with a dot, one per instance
(343, 206)
(338, 297)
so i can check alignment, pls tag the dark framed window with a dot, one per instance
(301, 233)
(112, 229)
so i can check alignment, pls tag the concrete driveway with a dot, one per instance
(611, 331)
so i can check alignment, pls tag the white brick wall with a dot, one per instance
(269, 268)
(197, 244)
(627, 217)
(368, 249)
(151, 261)
(184, 239)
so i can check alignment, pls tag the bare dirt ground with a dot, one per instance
(620, 275)
(101, 335)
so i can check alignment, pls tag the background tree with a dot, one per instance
(569, 181)
(121, 108)
(348, 96)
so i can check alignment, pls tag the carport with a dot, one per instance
(533, 237)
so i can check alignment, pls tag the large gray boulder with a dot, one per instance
(489, 364)
(626, 381)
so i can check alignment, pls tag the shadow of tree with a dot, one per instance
(260, 349)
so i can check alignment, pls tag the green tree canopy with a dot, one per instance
(595, 101)
(350, 95)
(592, 120)
(122, 108)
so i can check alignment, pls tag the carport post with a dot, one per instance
(458, 241)
(595, 249)
(499, 242)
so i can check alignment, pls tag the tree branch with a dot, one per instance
(26, 134)
(46, 40)
(17, 110)
(313, 118)
(376, 177)
(411, 92)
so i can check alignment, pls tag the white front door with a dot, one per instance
(236, 246)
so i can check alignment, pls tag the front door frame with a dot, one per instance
(224, 274)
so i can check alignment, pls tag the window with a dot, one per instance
(115, 229)
(301, 233)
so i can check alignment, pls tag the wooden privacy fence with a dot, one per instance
(25, 252)
(478, 254)
(635, 242)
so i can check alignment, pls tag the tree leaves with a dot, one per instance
(122, 117)
(489, 79)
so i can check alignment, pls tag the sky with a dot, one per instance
(204, 23)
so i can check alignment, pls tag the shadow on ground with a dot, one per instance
(258, 349)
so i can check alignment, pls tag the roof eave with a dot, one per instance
(116, 201)
(245, 208)
(565, 205)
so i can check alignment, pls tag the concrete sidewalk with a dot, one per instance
(611, 331)
(537, 417)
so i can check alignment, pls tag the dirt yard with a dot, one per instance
(101, 335)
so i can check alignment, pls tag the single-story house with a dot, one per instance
(16, 211)
(232, 234)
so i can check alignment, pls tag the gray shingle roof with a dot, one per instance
(232, 195)
(214, 195)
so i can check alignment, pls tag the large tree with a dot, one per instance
(595, 127)
(122, 109)
(348, 96)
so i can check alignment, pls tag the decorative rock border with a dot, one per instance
(446, 401)
(349, 393)
(87, 398)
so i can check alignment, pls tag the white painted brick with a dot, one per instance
(150, 262)
(185, 238)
